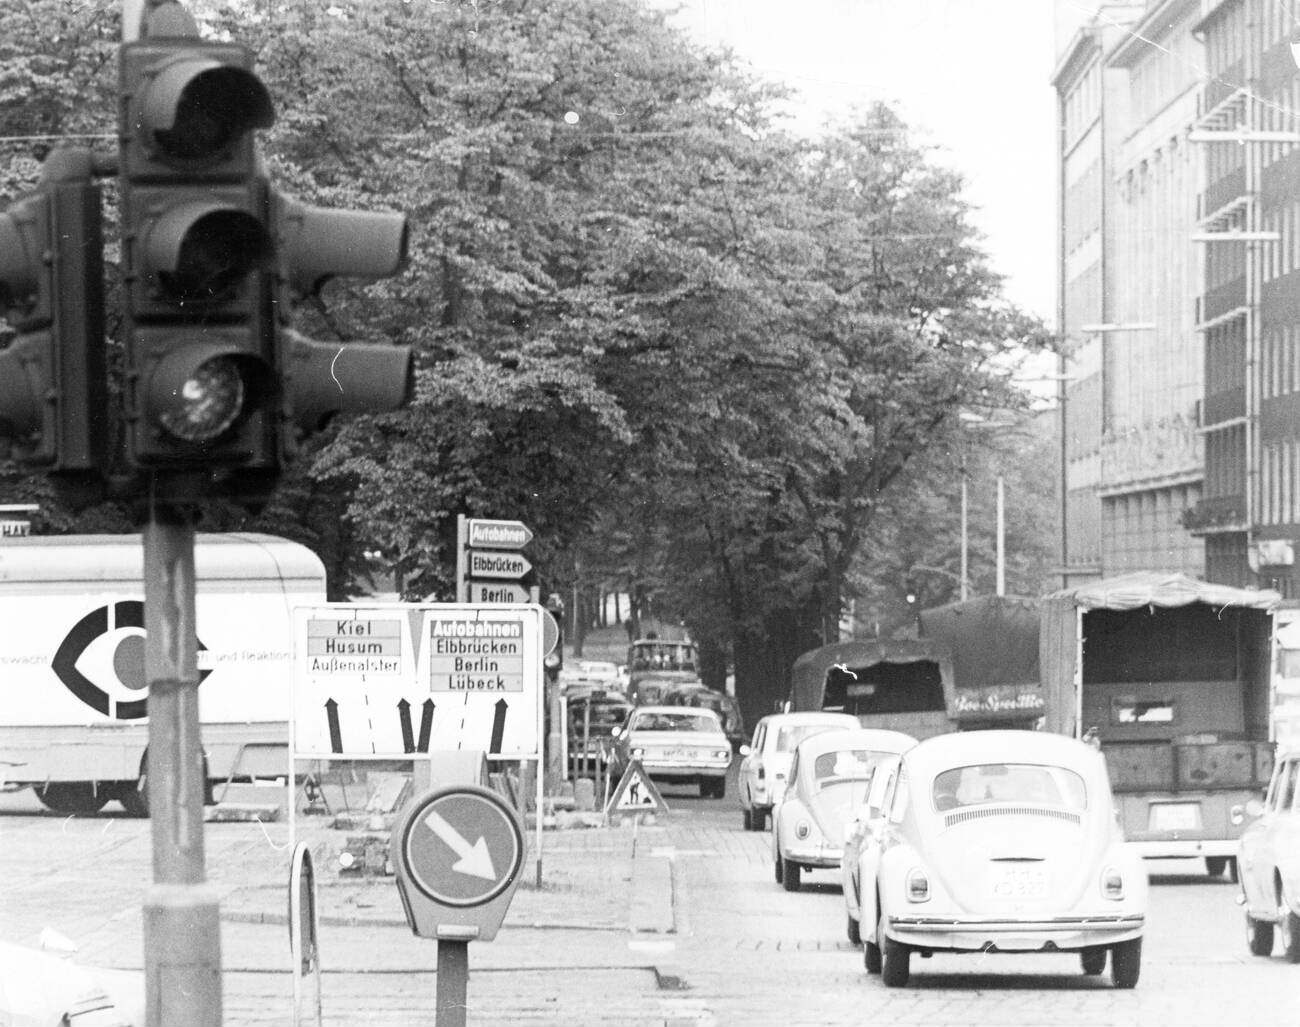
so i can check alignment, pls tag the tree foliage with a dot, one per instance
(696, 354)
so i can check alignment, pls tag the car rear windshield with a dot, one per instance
(846, 765)
(788, 737)
(1028, 784)
(674, 722)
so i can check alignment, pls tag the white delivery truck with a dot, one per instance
(72, 687)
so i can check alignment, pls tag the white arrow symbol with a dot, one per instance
(474, 859)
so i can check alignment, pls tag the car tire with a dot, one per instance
(1289, 928)
(1126, 963)
(777, 865)
(895, 963)
(1093, 960)
(757, 819)
(720, 788)
(1216, 865)
(78, 798)
(853, 929)
(746, 819)
(1259, 936)
(790, 875)
(871, 956)
(1232, 870)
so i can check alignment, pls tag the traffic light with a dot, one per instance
(53, 391)
(321, 379)
(197, 253)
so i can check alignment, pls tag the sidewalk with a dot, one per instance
(589, 946)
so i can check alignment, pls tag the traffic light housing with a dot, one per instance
(201, 389)
(53, 391)
(321, 379)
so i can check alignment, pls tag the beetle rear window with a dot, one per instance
(1021, 783)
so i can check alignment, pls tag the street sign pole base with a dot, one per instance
(453, 980)
(182, 947)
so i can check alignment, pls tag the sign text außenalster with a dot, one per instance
(348, 646)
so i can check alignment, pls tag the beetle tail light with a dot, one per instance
(761, 774)
(918, 886)
(1112, 883)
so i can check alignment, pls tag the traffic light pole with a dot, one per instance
(182, 930)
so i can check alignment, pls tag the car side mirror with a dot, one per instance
(744, 750)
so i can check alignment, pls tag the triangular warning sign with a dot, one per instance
(636, 793)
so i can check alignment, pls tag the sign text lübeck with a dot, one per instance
(476, 655)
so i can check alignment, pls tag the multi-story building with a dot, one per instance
(1128, 84)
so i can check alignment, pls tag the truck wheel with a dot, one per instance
(1259, 936)
(1216, 865)
(1126, 963)
(76, 797)
(134, 797)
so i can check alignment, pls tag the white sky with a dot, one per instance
(971, 76)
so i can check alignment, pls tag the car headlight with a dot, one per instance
(1112, 883)
(918, 885)
(638, 753)
(722, 754)
(802, 829)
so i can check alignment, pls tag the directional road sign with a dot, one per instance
(487, 563)
(389, 680)
(498, 534)
(458, 855)
(497, 592)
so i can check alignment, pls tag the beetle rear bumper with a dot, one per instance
(1065, 933)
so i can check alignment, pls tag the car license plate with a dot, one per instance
(680, 754)
(1019, 882)
(1174, 816)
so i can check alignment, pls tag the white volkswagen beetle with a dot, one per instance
(762, 775)
(862, 830)
(829, 778)
(1002, 841)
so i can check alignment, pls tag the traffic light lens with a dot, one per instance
(215, 107)
(215, 253)
(210, 401)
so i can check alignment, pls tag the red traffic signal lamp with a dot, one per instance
(197, 250)
(53, 393)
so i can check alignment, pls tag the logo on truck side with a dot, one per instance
(128, 660)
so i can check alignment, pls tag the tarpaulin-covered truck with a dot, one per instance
(897, 684)
(1172, 677)
(72, 687)
(994, 645)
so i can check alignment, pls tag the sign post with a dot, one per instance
(457, 854)
(304, 931)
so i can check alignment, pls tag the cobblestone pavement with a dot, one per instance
(669, 925)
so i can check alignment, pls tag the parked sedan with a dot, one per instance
(862, 830)
(1003, 841)
(763, 771)
(676, 745)
(829, 779)
(1268, 863)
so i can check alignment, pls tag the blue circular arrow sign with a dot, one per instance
(462, 846)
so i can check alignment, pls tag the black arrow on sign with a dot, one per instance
(336, 736)
(498, 725)
(426, 724)
(408, 736)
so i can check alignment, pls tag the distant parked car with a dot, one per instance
(864, 829)
(1002, 841)
(761, 779)
(829, 778)
(727, 709)
(1268, 862)
(677, 745)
